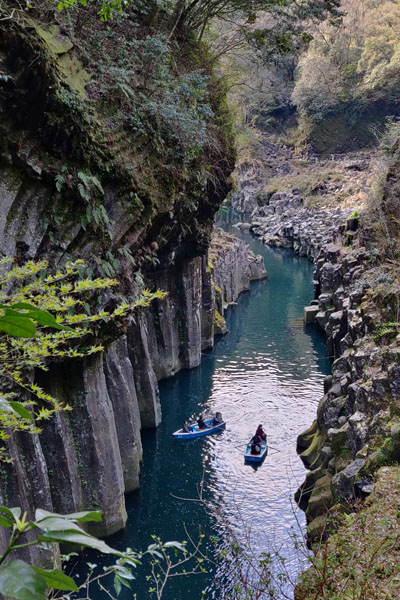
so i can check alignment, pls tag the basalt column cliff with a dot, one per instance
(119, 156)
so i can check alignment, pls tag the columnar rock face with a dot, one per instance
(181, 325)
(357, 426)
(234, 265)
(121, 389)
(145, 379)
(286, 223)
(90, 456)
(81, 447)
(29, 483)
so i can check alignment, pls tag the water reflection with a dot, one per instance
(269, 369)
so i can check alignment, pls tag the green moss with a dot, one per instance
(57, 43)
(316, 528)
(310, 456)
(219, 321)
(361, 560)
(321, 498)
(308, 434)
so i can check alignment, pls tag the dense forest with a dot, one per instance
(341, 85)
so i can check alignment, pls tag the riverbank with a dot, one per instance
(253, 374)
(356, 300)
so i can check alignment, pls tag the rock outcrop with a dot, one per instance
(233, 265)
(356, 306)
(90, 456)
(285, 223)
(356, 425)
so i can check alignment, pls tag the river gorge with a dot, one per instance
(128, 129)
(268, 368)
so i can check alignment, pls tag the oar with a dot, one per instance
(272, 448)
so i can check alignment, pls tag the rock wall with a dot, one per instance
(234, 265)
(89, 457)
(73, 186)
(356, 305)
(286, 223)
(357, 428)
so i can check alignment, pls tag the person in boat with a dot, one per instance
(256, 445)
(200, 422)
(186, 427)
(261, 433)
(217, 420)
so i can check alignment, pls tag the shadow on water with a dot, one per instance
(267, 369)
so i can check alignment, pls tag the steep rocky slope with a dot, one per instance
(76, 181)
(354, 246)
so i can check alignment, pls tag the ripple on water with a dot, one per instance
(268, 370)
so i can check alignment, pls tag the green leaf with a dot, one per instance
(60, 6)
(57, 580)
(11, 513)
(123, 572)
(57, 524)
(43, 317)
(178, 545)
(17, 326)
(83, 517)
(20, 581)
(97, 183)
(5, 521)
(117, 585)
(21, 410)
(80, 539)
(5, 405)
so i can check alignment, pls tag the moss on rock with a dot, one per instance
(361, 560)
(311, 455)
(321, 497)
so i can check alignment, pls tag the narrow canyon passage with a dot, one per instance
(268, 369)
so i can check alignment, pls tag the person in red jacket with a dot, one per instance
(261, 433)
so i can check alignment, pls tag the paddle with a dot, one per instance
(272, 448)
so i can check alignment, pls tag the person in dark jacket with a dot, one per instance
(200, 423)
(255, 445)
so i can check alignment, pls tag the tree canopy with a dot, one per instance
(358, 60)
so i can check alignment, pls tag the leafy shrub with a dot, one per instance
(391, 136)
(160, 106)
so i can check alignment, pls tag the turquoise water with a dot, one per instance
(268, 369)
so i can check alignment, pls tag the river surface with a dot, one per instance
(268, 369)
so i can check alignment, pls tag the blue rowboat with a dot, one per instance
(196, 432)
(256, 458)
